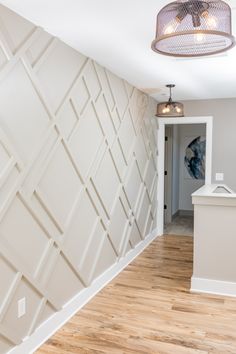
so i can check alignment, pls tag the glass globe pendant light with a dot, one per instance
(170, 108)
(191, 28)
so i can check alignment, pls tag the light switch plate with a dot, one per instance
(219, 177)
(21, 307)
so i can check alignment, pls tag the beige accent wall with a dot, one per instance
(77, 173)
(224, 128)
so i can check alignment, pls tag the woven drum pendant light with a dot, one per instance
(170, 108)
(193, 28)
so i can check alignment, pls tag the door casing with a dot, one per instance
(168, 177)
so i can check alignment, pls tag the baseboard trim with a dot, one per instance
(175, 214)
(48, 328)
(216, 287)
(185, 212)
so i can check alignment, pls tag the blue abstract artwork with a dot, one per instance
(194, 159)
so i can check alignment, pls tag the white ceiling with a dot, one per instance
(118, 34)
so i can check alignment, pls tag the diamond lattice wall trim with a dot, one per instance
(77, 173)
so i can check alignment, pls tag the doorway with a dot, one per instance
(166, 159)
(185, 147)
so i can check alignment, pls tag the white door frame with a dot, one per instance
(161, 158)
(168, 178)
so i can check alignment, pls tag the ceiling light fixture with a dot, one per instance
(170, 108)
(193, 28)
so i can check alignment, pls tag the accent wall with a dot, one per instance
(78, 174)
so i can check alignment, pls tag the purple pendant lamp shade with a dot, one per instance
(193, 28)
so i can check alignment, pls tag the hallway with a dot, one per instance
(180, 225)
(148, 309)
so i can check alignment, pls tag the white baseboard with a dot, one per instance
(159, 231)
(48, 328)
(215, 287)
(185, 212)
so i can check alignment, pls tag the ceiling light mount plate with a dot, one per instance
(194, 28)
(170, 86)
(195, 7)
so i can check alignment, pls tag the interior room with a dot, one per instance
(117, 177)
(185, 152)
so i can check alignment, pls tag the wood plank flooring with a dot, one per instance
(148, 309)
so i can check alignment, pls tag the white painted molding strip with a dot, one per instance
(215, 287)
(48, 328)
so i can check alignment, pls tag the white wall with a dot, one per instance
(214, 243)
(183, 187)
(188, 185)
(77, 174)
(224, 128)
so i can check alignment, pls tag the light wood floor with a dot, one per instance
(148, 309)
